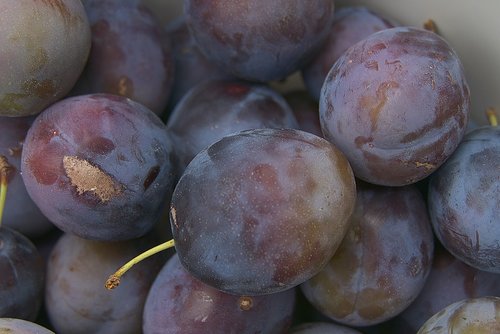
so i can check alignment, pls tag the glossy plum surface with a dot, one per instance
(464, 200)
(259, 40)
(383, 262)
(216, 108)
(177, 301)
(350, 25)
(100, 166)
(449, 281)
(397, 104)
(45, 45)
(21, 278)
(191, 66)
(262, 211)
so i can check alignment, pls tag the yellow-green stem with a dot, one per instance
(492, 117)
(4, 169)
(114, 280)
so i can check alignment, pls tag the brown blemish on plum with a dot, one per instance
(60, 7)
(372, 65)
(125, 86)
(173, 216)
(371, 308)
(152, 174)
(291, 28)
(414, 267)
(245, 303)
(236, 89)
(39, 60)
(88, 178)
(42, 89)
(426, 165)
(376, 48)
(374, 105)
(99, 145)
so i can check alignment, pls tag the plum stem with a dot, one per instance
(430, 25)
(114, 280)
(4, 170)
(492, 116)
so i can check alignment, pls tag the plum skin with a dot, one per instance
(279, 211)
(100, 166)
(397, 104)
(464, 199)
(45, 46)
(259, 40)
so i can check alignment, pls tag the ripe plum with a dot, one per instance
(129, 56)
(216, 108)
(259, 40)
(76, 269)
(100, 166)
(350, 25)
(449, 281)
(45, 45)
(263, 210)
(397, 104)
(382, 263)
(191, 66)
(464, 200)
(22, 276)
(177, 302)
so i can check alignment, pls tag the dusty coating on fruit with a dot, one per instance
(88, 178)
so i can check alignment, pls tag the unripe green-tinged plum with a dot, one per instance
(44, 48)
(383, 261)
(263, 210)
(397, 104)
(14, 326)
(474, 315)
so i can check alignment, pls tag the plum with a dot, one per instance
(45, 46)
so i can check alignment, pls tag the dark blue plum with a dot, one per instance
(259, 40)
(464, 200)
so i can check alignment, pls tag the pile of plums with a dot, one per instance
(363, 202)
